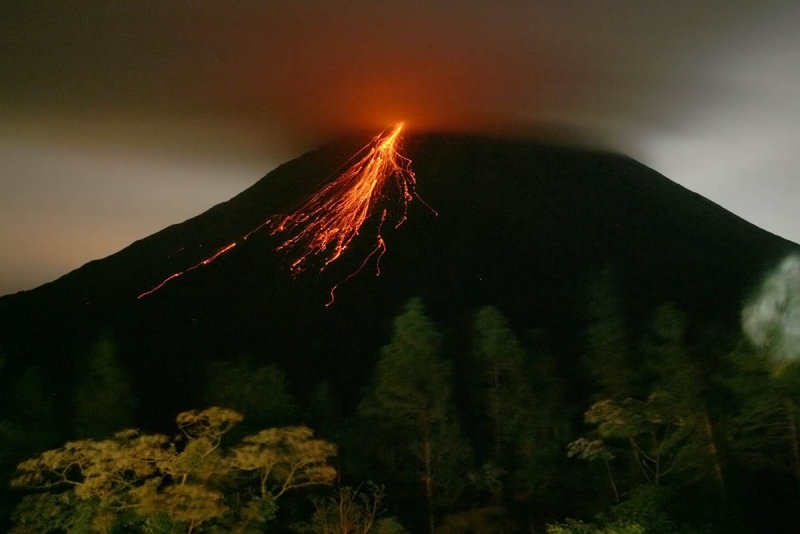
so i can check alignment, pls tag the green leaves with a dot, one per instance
(629, 418)
(519, 395)
(411, 396)
(211, 423)
(589, 449)
(149, 479)
(260, 393)
(655, 431)
(412, 381)
(103, 399)
(347, 511)
(285, 459)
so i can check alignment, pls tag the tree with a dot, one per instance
(608, 355)
(486, 520)
(682, 377)
(592, 451)
(200, 457)
(30, 426)
(10, 438)
(763, 430)
(521, 405)
(324, 408)
(260, 393)
(669, 432)
(771, 322)
(103, 400)
(508, 396)
(648, 509)
(132, 473)
(136, 482)
(33, 410)
(571, 526)
(96, 478)
(283, 459)
(652, 429)
(347, 510)
(411, 391)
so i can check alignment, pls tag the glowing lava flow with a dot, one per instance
(327, 222)
(324, 226)
(206, 261)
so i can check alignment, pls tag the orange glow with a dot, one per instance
(323, 227)
(206, 261)
(327, 222)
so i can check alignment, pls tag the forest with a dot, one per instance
(659, 424)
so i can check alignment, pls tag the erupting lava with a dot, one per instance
(327, 222)
(324, 226)
(206, 261)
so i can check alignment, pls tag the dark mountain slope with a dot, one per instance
(520, 225)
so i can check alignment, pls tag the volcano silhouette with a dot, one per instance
(520, 225)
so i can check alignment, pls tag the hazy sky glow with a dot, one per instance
(120, 118)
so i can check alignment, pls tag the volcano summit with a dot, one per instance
(624, 289)
(520, 225)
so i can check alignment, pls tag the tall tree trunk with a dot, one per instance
(611, 480)
(494, 411)
(791, 416)
(638, 459)
(428, 476)
(713, 452)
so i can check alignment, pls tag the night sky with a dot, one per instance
(120, 118)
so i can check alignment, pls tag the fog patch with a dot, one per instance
(771, 319)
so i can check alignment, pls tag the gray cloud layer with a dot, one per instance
(163, 108)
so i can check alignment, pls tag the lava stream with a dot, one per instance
(325, 224)
(206, 261)
(323, 227)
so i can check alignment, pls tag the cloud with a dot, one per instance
(704, 92)
(771, 320)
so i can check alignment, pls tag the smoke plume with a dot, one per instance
(771, 320)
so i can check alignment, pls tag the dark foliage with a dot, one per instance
(539, 232)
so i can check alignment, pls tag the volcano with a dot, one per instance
(520, 225)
